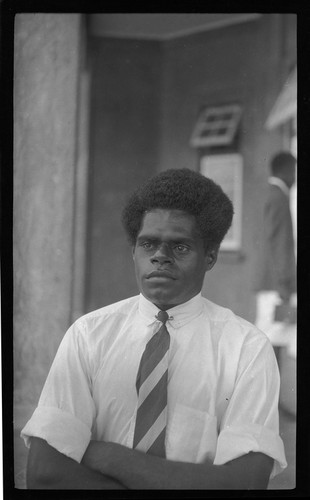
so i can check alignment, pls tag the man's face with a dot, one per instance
(170, 259)
(289, 175)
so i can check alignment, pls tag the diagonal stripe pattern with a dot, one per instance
(151, 385)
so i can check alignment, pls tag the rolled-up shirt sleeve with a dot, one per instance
(66, 410)
(251, 420)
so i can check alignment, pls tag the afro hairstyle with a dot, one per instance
(186, 190)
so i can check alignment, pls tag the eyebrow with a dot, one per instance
(177, 239)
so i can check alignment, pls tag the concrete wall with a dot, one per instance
(146, 98)
(46, 78)
(124, 151)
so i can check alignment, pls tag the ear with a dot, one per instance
(211, 258)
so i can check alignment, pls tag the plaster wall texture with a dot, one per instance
(124, 152)
(45, 107)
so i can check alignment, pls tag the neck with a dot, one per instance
(164, 307)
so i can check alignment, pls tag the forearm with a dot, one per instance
(138, 470)
(79, 478)
(141, 471)
(49, 469)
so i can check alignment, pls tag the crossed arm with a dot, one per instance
(113, 466)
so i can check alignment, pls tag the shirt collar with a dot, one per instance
(275, 181)
(178, 315)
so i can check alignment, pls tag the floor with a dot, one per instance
(283, 481)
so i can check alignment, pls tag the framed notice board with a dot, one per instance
(226, 170)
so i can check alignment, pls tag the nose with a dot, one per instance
(162, 255)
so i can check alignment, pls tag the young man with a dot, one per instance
(275, 276)
(165, 390)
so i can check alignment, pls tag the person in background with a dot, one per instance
(275, 277)
(163, 390)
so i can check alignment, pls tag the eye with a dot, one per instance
(147, 245)
(181, 248)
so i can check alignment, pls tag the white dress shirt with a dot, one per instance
(223, 383)
(276, 181)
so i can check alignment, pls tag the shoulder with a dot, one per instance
(237, 343)
(101, 319)
(120, 307)
(228, 326)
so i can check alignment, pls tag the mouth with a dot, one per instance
(160, 275)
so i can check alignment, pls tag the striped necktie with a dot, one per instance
(151, 385)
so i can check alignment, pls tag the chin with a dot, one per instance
(160, 299)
